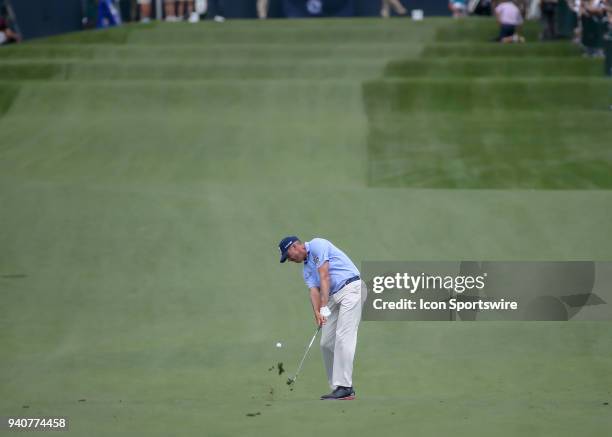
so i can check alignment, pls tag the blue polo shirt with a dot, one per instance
(341, 267)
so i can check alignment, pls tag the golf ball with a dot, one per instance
(279, 344)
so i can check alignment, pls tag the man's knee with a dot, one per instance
(327, 343)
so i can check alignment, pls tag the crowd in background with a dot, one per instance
(179, 10)
(589, 21)
(113, 12)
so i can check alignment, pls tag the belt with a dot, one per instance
(347, 282)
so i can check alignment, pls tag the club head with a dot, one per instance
(291, 380)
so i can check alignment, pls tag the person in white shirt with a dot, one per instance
(510, 19)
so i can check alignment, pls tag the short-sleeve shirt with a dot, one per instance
(509, 14)
(340, 267)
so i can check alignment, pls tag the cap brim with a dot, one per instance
(283, 257)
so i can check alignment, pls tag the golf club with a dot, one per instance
(292, 380)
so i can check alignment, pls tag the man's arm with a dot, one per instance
(324, 278)
(315, 300)
(319, 296)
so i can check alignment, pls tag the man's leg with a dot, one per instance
(349, 316)
(145, 10)
(398, 7)
(506, 32)
(262, 9)
(219, 8)
(385, 9)
(552, 24)
(328, 340)
(169, 10)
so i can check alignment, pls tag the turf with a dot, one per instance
(146, 174)
(507, 116)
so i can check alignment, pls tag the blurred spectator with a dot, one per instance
(458, 8)
(170, 10)
(262, 9)
(397, 6)
(177, 10)
(7, 35)
(523, 5)
(575, 7)
(482, 7)
(510, 19)
(145, 10)
(192, 15)
(594, 22)
(217, 7)
(108, 14)
(548, 11)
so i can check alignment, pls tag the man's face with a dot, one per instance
(297, 252)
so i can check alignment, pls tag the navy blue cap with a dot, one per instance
(284, 245)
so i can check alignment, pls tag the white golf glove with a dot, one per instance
(325, 312)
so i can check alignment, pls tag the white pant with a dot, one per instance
(339, 333)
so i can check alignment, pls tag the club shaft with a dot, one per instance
(306, 353)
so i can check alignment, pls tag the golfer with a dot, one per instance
(337, 294)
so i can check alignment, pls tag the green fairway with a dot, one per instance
(479, 115)
(148, 172)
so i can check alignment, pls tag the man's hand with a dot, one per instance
(319, 319)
